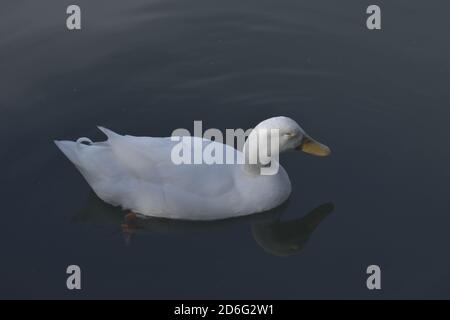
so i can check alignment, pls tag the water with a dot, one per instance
(378, 99)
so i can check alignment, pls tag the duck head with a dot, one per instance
(292, 137)
(276, 135)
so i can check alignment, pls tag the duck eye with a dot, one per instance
(289, 134)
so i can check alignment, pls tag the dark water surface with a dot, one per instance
(379, 99)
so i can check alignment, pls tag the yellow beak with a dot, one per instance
(311, 146)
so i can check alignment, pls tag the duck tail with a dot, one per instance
(79, 151)
(70, 149)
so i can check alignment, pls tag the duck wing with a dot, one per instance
(139, 174)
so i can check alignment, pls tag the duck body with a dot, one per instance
(138, 174)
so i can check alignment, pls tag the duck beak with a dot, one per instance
(311, 146)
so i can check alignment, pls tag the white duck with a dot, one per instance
(138, 174)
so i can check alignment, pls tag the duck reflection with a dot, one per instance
(277, 237)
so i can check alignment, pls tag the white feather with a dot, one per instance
(138, 174)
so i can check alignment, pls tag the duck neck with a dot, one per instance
(259, 160)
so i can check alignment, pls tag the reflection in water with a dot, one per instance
(283, 238)
(280, 238)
